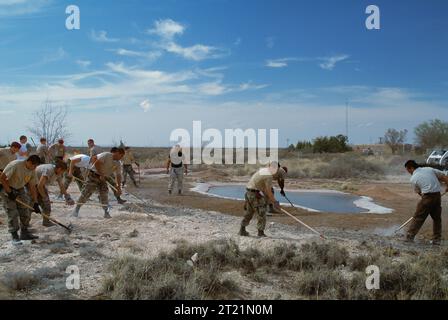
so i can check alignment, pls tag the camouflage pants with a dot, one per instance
(44, 203)
(19, 217)
(78, 175)
(94, 183)
(127, 170)
(112, 182)
(255, 203)
(176, 174)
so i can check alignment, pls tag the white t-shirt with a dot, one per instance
(426, 180)
(23, 148)
(84, 163)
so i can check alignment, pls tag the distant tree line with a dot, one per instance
(429, 135)
(325, 144)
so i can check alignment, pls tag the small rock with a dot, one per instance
(133, 234)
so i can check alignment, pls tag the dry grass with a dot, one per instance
(313, 271)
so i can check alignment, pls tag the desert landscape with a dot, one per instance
(161, 246)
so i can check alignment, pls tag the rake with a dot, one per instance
(69, 228)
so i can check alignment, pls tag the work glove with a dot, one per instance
(68, 200)
(282, 192)
(37, 208)
(12, 195)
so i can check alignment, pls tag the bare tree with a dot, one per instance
(394, 138)
(50, 122)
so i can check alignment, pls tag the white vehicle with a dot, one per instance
(439, 158)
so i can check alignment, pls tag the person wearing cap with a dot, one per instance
(104, 165)
(176, 168)
(17, 175)
(46, 175)
(426, 183)
(42, 151)
(58, 151)
(258, 194)
(280, 178)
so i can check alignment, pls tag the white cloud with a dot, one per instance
(151, 55)
(276, 64)
(329, 63)
(167, 29)
(83, 63)
(197, 52)
(146, 105)
(101, 36)
(326, 63)
(22, 7)
(270, 42)
(250, 86)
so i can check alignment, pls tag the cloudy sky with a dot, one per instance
(137, 70)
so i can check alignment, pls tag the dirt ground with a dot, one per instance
(395, 193)
(160, 221)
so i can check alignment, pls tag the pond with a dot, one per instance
(311, 200)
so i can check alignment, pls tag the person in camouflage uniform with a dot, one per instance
(42, 151)
(258, 194)
(127, 161)
(8, 155)
(105, 164)
(58, 151)
(47, 174)
(77, 165)
(17, 175)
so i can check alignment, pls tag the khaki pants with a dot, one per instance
(255, 203)
(176, 174)
(430, 204)
(94, 183)
(19, 217)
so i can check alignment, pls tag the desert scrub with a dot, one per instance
(20, 280)
(311, 271)
(339, 166)
(169, 276)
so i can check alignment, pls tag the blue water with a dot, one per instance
(321, 201)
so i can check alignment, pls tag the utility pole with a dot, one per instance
(346, 120)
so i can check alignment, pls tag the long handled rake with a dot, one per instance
(409, 220)
(303, 224)
(69, 228)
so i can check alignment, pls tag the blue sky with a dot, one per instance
(137, 70)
